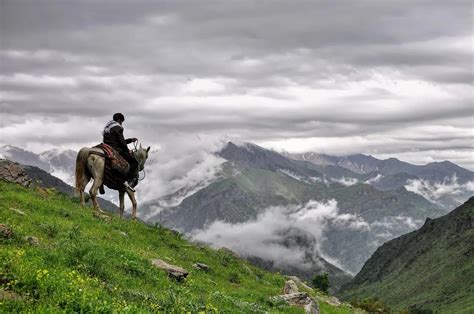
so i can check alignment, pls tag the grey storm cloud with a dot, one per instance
(380, 77)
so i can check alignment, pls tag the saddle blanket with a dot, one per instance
(116, 167)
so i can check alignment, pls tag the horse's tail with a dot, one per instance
(81, 163)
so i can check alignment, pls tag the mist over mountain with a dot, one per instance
(443, 183)
(254, 181)
(205, 195)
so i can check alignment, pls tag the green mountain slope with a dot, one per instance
(240, 198)
(430, 268)
(85, 263)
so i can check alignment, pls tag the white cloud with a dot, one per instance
(184, 164)
(435, 191)
(375, 179)
(346, 181)
(265, 236)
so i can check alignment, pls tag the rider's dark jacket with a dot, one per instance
(113, 136)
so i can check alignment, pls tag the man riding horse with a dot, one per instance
(104, 165)
(113, 136)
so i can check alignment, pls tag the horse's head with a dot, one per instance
(141, 154)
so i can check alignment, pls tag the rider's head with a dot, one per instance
(118, 117)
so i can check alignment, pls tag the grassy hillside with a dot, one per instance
(431, 268)
(84, 263)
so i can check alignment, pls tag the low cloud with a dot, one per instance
(184, 165)
(346, 181)
(271, 236)
(375, 179)
(435, 191)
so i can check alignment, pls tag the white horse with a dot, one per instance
(92, 166)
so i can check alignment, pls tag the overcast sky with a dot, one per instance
(388, 78)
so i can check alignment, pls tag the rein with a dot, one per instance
(135, 149)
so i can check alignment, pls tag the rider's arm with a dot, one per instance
(121, 139)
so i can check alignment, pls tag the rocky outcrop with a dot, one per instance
(6, 295)
(5, 231)
(13, 172)
(300, 299)
(298, 281)
(173, 271)
(290, 287)
(202, 267)
(32, 240)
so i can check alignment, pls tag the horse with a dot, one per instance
(92, 166)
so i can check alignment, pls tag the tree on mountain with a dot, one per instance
(321, 282)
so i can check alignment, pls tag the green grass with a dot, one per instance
(86, 264)
(431, 268)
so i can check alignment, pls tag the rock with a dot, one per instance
(99, 215)
(9, 295)
(296, 298)
(175, 272)
(18, 211)
(312, 307)
(333, 301)
(290, 287)
(300, 299)
(13, 172)
(202, 266)
(298, 281)
(32, 240)
(5, 231)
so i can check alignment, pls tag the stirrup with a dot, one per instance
(125, 184)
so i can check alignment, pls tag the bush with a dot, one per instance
(321, 282)
(371, 305)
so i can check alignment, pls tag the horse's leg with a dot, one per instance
(81, 191)
(97, 171)
(122, 202)
(131, 195)
(93, 192)
(82, 198)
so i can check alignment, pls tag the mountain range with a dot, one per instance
(443, 183)
(59, 163)
(298, 213)
(255, 181)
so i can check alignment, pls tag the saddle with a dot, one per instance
(116, 167)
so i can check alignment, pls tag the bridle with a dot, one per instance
(135, 149)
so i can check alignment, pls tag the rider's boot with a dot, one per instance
(134, 181)
(127, 185)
